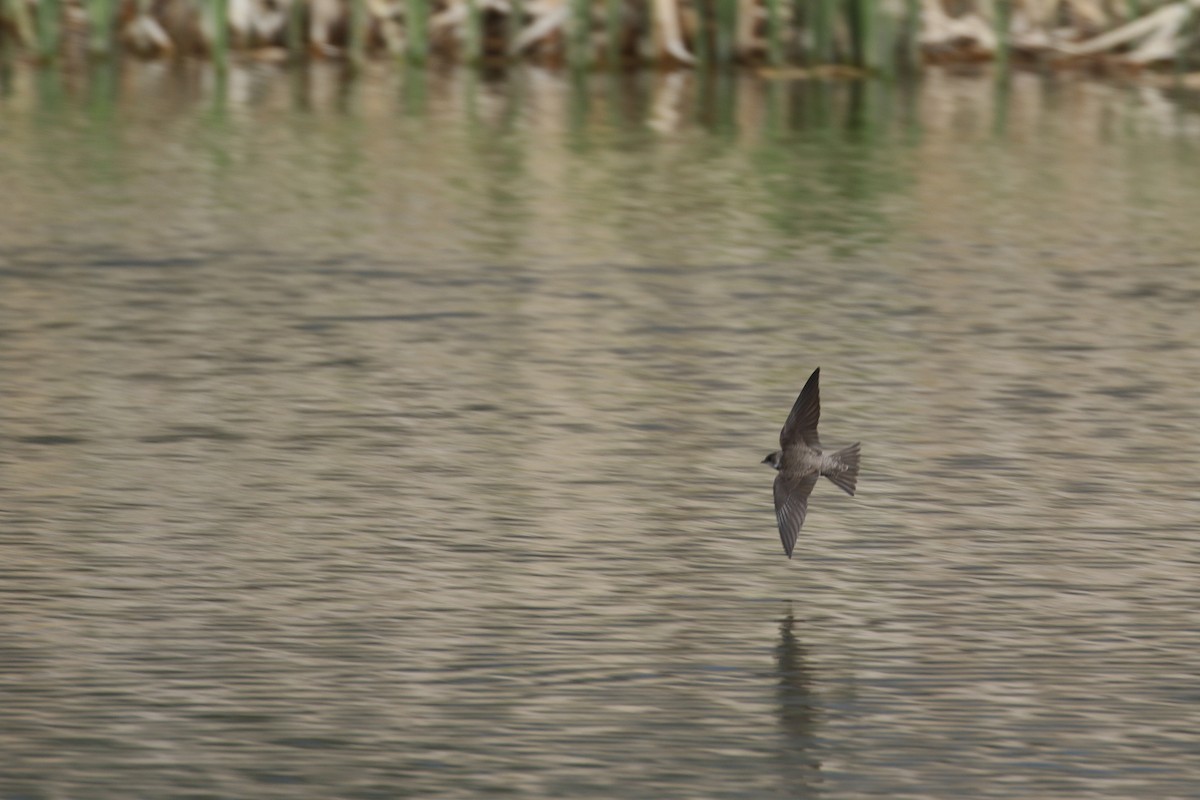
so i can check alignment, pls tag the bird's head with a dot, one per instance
(773, 459)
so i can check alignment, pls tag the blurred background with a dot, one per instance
(377, 429)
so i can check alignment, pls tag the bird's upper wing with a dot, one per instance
(791, 505)
(801, 425)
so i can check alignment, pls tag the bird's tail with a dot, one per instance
(844, 470)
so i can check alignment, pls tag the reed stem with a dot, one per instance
(417, 31)
(884, 42)
(220, 22)
(911, 47)
(101, 27)
(1185, 44)
(775, 33)
(296, 38)
(859, 22)
(578, 34)
(702, 46)
(474, 40)
(1003, 15)
(823, 21)
(359, 29)
(49, 29)
(513, 23)
(612, 33)
(726, 18)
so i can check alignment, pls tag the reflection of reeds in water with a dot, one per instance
(870, 35)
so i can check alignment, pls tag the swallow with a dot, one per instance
(800, 461)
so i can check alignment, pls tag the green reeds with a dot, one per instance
(513, 23)
(1185, 43)
(416, 29)
(877, 36)
(1003, 16)
(873, 31)
(884, 43)
(473, 45)
(815, 31)
(776, 30)
(219, 19)
(726, 33)
(579, 33)
(612, 32)
(297, 41)
(359, 29)
(910, 48)
(49, 29)
(102, 27)
(702, 46)
(859, 19)
(796, 51)
(822, 26)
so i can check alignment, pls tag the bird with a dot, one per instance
(800, 461)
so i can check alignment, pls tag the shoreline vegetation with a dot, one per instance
(782, 38)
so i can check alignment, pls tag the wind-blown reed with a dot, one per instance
(867, 35)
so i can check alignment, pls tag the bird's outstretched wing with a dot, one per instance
(791, 505)
(801, 425)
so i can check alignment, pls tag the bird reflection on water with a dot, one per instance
(798, 715)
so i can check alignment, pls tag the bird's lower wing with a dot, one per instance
(791, 506)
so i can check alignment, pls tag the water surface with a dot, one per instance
(400, 437)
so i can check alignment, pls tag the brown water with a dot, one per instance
(401, 437)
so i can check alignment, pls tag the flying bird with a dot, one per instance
(800, 461)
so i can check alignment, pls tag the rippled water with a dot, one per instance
(401, 438)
